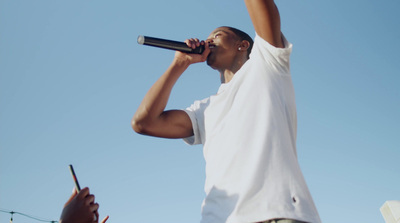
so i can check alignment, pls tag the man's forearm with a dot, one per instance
(266, 20)
(156, 99)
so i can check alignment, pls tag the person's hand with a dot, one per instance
(81, 208)
(191, 58)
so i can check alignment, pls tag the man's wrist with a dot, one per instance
(180, 62)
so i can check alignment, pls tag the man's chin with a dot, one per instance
(211, 61)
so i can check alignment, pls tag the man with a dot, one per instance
(248, 129)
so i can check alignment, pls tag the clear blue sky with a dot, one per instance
(72, 75)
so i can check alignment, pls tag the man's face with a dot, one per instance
(223, 48)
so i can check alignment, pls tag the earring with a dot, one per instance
(240, 49)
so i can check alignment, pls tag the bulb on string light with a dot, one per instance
(12, 213)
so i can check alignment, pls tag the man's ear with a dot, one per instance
(244, 45)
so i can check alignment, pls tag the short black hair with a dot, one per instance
(242, 36)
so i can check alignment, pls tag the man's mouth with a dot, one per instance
(211, 46)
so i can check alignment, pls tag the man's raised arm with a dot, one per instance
(266, 20)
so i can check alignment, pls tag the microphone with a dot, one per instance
(168, 44)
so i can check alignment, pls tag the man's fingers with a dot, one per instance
(188, 43)
(89, 199)
(193, 43)
(94, 207)
(96, 216)
(84, 192)
(197, 41)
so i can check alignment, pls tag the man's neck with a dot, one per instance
(227, 74)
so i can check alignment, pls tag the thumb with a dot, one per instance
(74, 193)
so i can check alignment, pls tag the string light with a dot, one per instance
(26, 215)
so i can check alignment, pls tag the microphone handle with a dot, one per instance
(168, 44)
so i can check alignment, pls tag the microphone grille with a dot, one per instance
(140, 40)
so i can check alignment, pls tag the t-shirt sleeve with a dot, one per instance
(195, 138)
(196, 115)
(277, 58)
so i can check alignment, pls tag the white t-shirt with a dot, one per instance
(248, 130)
